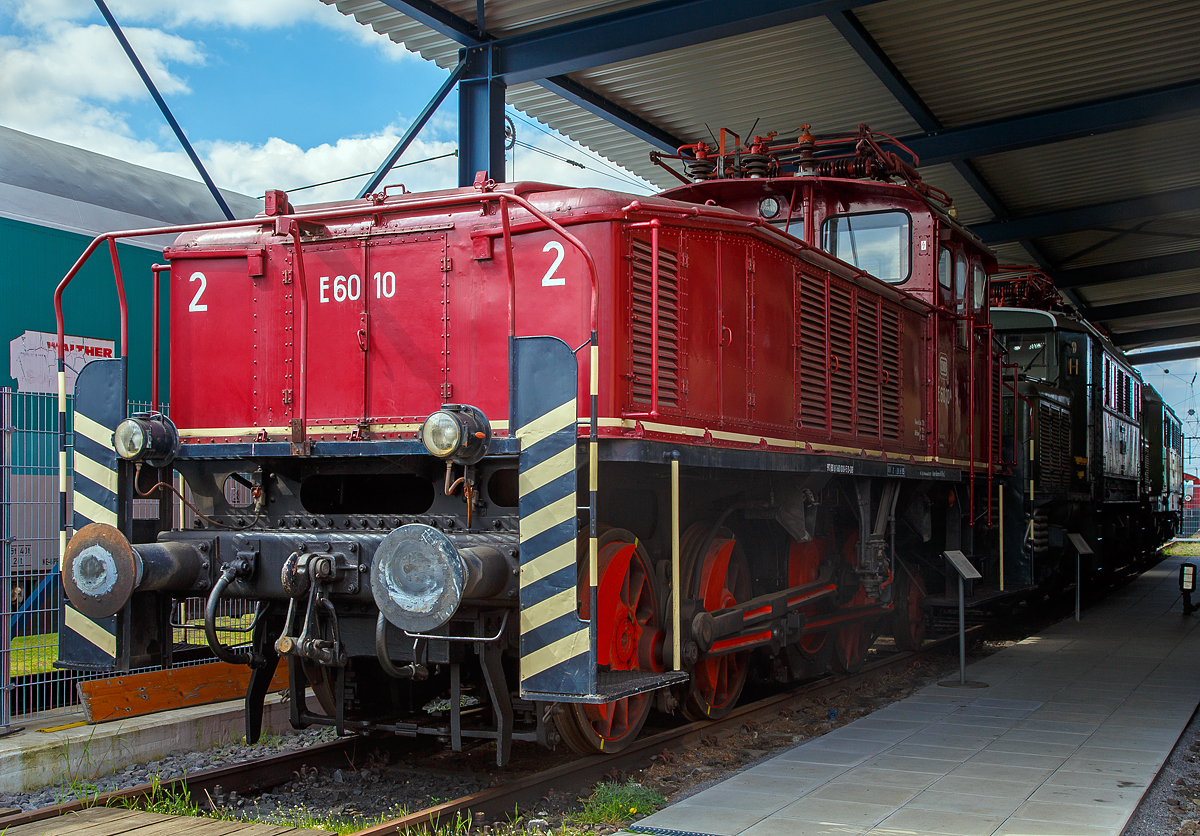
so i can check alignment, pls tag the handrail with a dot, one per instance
(286, 224)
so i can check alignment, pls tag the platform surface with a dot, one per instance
(1074, 726)
(113, 821)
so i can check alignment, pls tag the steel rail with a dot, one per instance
(576, 775)
(241, 778)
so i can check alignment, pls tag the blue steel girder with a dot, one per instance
(467, 34)
(1158, 336)
(480, 117)
(1144, 307)
(1137, 268)
(1089, 217)
(1056, 125)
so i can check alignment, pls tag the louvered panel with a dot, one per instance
(642, 312)
(841, 359)
(868, 371)
(814, 409)
(1054, 448)
(889, 349)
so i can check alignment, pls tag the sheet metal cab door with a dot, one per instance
(337, 333)
(215, 343)
(408, 329)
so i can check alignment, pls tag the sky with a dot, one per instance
(284, 94)
(272, 94)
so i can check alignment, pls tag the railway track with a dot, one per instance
(573, 776)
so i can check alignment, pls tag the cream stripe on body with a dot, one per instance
(547, 657)
(542, 474)
(90, 630)
(547, 564)
(90, 510)
(88, 428)
(546, 611)
(543, 519)
(551, 422)
(96, 472)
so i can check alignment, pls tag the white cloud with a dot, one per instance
(63, 76)
(277, 164)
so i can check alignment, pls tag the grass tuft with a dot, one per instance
(612, 803)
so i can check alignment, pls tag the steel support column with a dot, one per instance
(480, 117)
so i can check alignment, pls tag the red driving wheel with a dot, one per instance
(723, 580)
(851, 641)
(909, 620)
(628, 638)
(804, 566)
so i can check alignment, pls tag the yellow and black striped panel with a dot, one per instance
(99, 406)
(556, 651)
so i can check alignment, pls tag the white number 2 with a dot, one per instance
(548, 280)
(196, 306)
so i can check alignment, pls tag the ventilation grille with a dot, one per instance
(841, 360)
(813, 361)
(1054, 448)
(889, 345)
(867, 365)
(668, 324)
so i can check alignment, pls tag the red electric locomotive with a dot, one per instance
(554, 456)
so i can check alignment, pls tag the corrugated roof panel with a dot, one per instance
(972, 60)
(1142, 323)
(969, 205)
(777, 76)
(1097, 169)
(1165, 284)
(1125, 241)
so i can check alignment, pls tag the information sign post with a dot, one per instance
(966, 572)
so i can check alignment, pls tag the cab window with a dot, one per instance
(944, 259)
(980, 289)
(877, 242)
(960, 282)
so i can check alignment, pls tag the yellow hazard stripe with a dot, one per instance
(98, 473)
(88, 428)
(546, 611)
(554, 653)
(90, 630)
(548, 424)
(546, 518)
(90, 510)
(542, 474)
(547, 564)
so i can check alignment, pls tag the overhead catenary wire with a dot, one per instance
(618, 173)
(453, 153)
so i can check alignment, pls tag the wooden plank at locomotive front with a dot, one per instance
(93, 821)
(145, 693)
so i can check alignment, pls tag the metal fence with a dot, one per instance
(1191, 522)
(31, 685)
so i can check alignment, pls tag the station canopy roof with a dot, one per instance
(1067, 131)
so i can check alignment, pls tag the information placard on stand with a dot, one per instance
(966, 571)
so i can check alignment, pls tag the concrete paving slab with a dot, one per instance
(1064, 742)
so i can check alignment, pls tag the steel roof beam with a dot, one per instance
(1103, 116)
(1137, 268)
(1158, 336)
(1089, 217)
(1143, 307)
(1169, 355)
(467, 34)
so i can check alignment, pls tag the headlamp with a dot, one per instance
(148, 437)
(457, 432)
